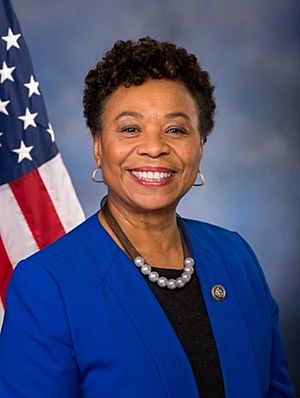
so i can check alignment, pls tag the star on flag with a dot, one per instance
(11, 39)
(51, 132)
(6, 72)
(32, 86)
(28, 119)
(3, 105)
(23, 152)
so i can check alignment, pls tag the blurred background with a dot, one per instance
(251, 160)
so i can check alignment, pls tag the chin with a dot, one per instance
(154, 204)
(144, 202)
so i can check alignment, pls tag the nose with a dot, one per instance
(154, 145)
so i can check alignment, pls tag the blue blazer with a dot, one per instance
(81, 321)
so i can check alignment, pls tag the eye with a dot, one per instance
(130, 129)
(177, 130)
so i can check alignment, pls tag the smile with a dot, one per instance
(151, 175)
(158, 177)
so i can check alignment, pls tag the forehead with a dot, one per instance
(154, 97)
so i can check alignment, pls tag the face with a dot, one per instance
(150, 146)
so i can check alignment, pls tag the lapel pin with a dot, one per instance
(218, 292)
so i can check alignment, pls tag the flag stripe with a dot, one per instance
(37, 207)
(55, 176)
(5, 272)
(14, 230)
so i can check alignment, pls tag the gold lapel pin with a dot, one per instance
(218, 292)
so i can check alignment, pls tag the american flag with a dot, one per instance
(37, 201)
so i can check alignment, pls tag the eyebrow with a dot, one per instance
(171, 115)
(127, 113)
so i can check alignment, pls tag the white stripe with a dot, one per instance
(59, 186)
(1, 313)
(17, 238)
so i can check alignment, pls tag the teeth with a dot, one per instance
(150, 175)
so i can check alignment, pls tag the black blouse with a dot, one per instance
(186, 311)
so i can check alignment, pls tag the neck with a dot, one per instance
(154, 234)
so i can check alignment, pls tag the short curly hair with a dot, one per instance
(129, 63)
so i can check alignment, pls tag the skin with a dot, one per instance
(151, 127)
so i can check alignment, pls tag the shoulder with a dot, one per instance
(219, 241)
(71, 259)
(230, 249)
(215, 237)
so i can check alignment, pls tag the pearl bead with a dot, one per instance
(153, 276)
(180, 282)
(189, 261)
(139, 261)
(189, 269)
(162, 281)
(145, 269)
(171, 284)
(186, 277)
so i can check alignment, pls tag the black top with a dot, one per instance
(188, 315)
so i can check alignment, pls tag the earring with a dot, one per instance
(202, 180)
(94, 175)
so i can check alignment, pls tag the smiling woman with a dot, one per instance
(148, 130)
(138, 301)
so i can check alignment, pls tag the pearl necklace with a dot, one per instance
(162, 281)
(140, 262)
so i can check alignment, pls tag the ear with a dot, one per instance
(97, 146)
(201, 150)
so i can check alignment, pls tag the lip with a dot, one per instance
(151, 168)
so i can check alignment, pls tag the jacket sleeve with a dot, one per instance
(36, 353)
(280, 385)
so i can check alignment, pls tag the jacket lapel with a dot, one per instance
(231, 335)
(154, 327)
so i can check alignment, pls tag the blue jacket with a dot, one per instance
(81, 321)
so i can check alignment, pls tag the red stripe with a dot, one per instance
(5, 271)
(37, 208)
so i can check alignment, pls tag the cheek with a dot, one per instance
(193, 157)
(193, 167)
(112, 157)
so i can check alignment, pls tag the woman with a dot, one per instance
(137, 301)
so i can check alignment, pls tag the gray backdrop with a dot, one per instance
(251, 160)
